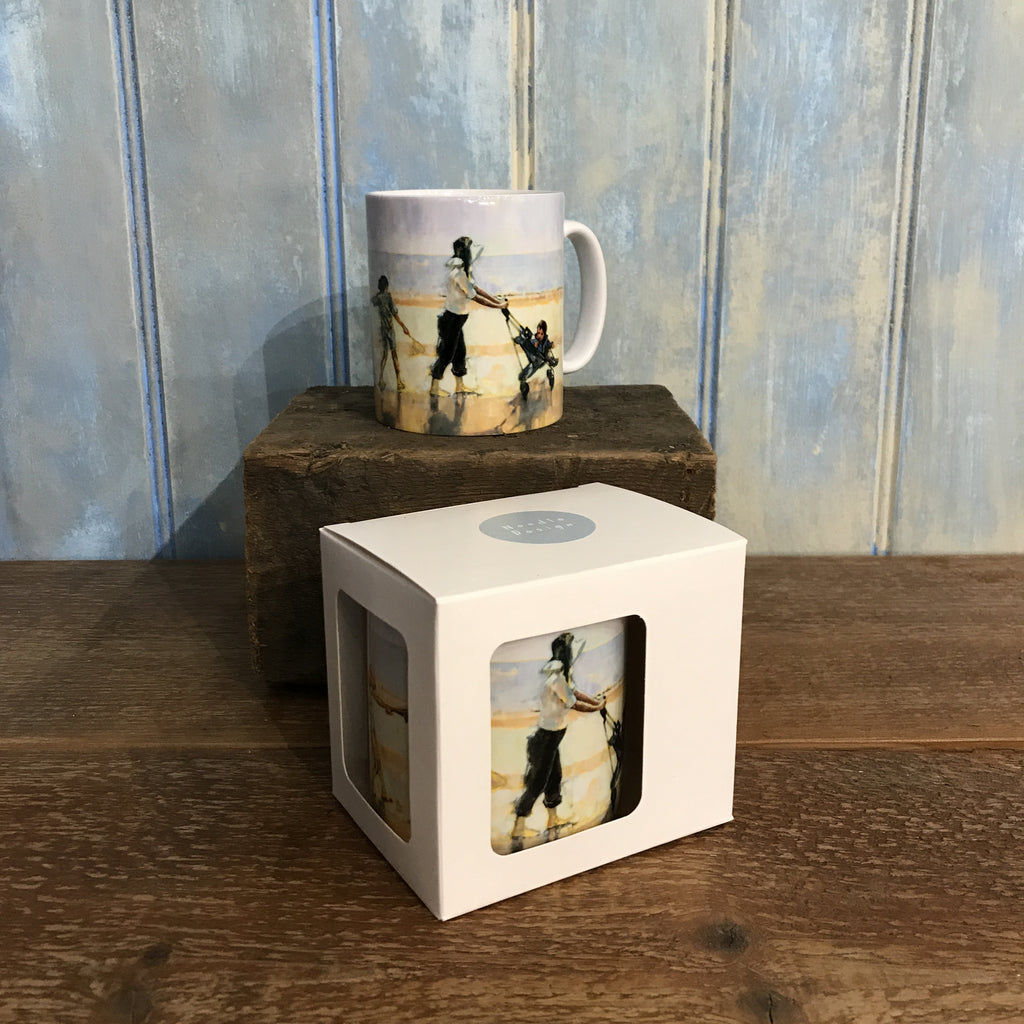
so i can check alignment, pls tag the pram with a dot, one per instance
(538, 353)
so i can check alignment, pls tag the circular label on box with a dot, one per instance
(537, 527)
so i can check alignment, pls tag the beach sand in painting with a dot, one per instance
(494, 404)
(389, 767)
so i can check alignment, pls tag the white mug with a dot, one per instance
(466, 295)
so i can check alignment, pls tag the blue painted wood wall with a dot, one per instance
(812, 215)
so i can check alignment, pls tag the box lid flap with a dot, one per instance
(465, 549)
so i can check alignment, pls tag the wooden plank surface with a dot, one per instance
(424, 102)
(170, 848)
(852, 886)
(620, 128)
(836, 652)
(961, 472)
(883, 652)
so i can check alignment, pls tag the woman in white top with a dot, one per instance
(460, 292)
(543, 765)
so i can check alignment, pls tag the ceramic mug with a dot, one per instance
(556, 734)
(466, 295)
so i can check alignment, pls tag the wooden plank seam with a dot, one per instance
(141, 255)
(522, 67)
(917, 54)
(337, 362)
(716, 163)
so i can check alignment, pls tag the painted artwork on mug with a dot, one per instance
(556, 734)
(481, 343)
(387, 669)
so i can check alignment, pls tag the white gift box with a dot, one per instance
(457, 584)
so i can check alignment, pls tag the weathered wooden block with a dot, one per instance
(326, 459)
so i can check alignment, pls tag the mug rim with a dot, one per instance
(459, 193)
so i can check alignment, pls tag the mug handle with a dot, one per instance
(593, 296)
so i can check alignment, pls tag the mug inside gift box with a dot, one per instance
(566, 746)
(565, 722)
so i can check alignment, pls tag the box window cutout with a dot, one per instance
(566, 732)
(374, 674)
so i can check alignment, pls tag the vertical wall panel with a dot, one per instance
(815, 126)
(233, 154)
(961, 485)
(182, 241)
(620, 128)
(424, 102)
(74, 478)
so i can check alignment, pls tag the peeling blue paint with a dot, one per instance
(23, 90)
(93, 536)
